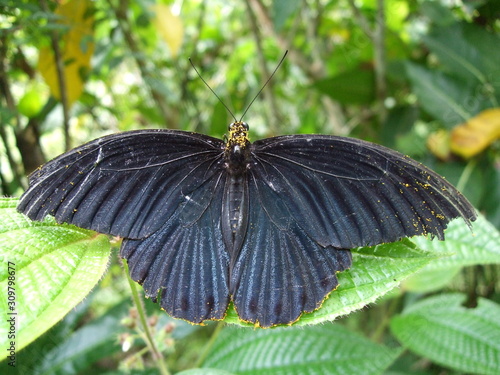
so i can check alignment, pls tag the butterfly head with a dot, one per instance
(238, 135)
(237, 150)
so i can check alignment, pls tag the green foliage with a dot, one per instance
(52, 267)
(460, 250)
(71, 354)
(437, 67)
(374, 272)
(442, 96)
(442, 329)
(330, 349)
(353, 87)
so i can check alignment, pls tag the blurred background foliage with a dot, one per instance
(419, 76)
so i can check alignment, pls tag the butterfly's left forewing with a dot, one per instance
(349, 193)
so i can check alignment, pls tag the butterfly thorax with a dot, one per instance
(237, 152)
(235, 202)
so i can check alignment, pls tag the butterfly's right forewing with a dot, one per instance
(126, 184)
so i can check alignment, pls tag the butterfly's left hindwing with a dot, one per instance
(280, 271)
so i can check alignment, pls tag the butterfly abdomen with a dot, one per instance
(235, 213)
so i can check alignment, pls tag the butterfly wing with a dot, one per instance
(349, 193)
(161, 190)
(280, 271)
(312, 196)
(126, 184)
(185, 262)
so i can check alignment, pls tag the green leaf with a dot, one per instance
(352, 87)
(328, 349)
(374, 272)
(430, 280)
(441, 329)
(399, 123)
(95, 340)
(53, 268)
(453, 51)
(482, 246)
(205, 371)
(438, 13)
(445, 98)
(282, 10)
(461, 248)
(486, 44)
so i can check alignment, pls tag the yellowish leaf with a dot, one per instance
(169, 27)
(439, 144)
(473, 136)
(76, 46)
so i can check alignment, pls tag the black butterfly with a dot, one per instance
(265, 225)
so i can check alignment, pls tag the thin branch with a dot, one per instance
(269, 97)
(377, 37)
(466, 174)
(314, 70)
(9, 99)
(266, 24)
(4, 81)
(124, 25)
(362, 21)
(157, 356)
(208, 346)
(61, 79)
(187, 97)
(380, 60)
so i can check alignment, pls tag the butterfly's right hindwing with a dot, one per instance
(185, 262)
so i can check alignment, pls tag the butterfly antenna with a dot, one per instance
(265, 84)
(217, 96)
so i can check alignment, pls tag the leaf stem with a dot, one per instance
(464, 177)
(158, 358)
(377, 335)
(209, 345)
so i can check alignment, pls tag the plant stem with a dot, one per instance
(12, 108)
(377, 335)
(209, 345)
(464, 177)
(123, 23)
(377, 37)
(274, 119)
(314, 70)
(379, 57)
(61, 79)
(158, 357)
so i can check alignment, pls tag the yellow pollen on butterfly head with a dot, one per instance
(238, 135)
